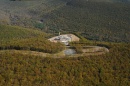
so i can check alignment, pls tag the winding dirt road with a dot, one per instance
(89, 51)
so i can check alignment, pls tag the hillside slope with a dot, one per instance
(111, 69)
(14, 32)
(14, 37)
(103, 20)
(25, 12)
(94, 20)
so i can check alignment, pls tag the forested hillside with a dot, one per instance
(94, 20)
(111, 69)
(103, 20)
(26, 13)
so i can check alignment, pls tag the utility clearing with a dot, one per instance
(89, 51)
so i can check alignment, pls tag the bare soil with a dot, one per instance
(73, 37)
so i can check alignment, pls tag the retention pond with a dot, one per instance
(69, 52)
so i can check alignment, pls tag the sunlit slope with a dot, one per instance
(15, 32)
(12, 37)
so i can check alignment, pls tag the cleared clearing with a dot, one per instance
(93, 51)
(73, 37)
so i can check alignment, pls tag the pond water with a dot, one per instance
(69, 52)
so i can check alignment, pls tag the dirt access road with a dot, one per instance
(91, 51)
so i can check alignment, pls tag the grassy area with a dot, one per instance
(14, 32)
(13, 37)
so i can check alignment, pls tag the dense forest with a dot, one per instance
(111, 69)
